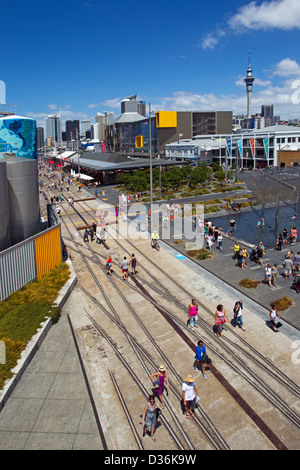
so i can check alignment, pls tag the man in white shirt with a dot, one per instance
(189, 395)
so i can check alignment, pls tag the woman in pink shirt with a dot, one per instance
(193, 314)
(220, 318)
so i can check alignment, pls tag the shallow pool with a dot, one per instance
(246, 224)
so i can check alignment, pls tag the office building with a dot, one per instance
(72, 130)
(40, 139)
(85, 126)
(53, 127)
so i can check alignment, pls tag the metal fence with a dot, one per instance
(29, 260)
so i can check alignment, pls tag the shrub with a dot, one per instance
(282, 304)
(249, 283)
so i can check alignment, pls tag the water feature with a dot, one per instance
(246, 223)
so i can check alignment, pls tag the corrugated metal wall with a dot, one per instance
(47, 251)
(17, 268)
(29, 260)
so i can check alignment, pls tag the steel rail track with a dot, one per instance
(124, 406)
(134, 376)
(135, 247)
(212, 433)
(280, 376)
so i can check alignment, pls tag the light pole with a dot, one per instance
(150, 152)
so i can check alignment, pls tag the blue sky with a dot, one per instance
(83, 57)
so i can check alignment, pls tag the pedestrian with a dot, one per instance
(274, 274)
(103, 193)
(288, 265)
(96, 192)
(273, 316)
(220, 241)
(220, 319)
(260, 253)
(236, 250)
(245, 256)
(162, 377)
(149, 417)
(116, 213)
(201, 358)
(124, 268)
(232, 225)
(284, 236)
(133, 263)
(86, 236)
(237, 314)
(279, 242)
(240, 259)
(268, 275)
(189, 395)
(193, 314)
(109, 264)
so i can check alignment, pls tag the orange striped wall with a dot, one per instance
(47, 251)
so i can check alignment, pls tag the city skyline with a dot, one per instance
(88, 56)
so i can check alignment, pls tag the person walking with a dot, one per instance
(162, 377)
(220, 319)
(268, 275)
(189, 394)
(220, 241)
(133, 263)
(149, 417)
(193, 314)
(109, 264)
(236, 250)
(86, 236)
(124, 268)
(260, 253)
(288, 264)
(237, 312)
(201, 357)
(273, 316)
(279, 242)
(274, 274)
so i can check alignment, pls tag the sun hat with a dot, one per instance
(161, 368)
(189, 379)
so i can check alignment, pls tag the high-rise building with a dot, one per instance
(53, 127)
(40, 140)
(85, 126)
(267, 110)
(249, 85)
(72, 130)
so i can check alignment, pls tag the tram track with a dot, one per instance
(219, 441)
(262, 387)
(161, 291)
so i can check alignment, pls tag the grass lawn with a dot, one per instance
(23, 312)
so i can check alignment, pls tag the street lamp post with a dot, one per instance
(150, 152)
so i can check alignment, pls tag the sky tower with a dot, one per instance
(249, 84)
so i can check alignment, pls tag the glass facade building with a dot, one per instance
(127, 132)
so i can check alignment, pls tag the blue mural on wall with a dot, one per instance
(18, 135)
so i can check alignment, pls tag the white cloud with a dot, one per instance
(277, 14)
(287, 67)
(210, 41)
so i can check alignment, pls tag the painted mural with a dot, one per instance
(18, 135)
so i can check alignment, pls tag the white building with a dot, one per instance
(85, 126)
(53, 127)
(254, 148)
